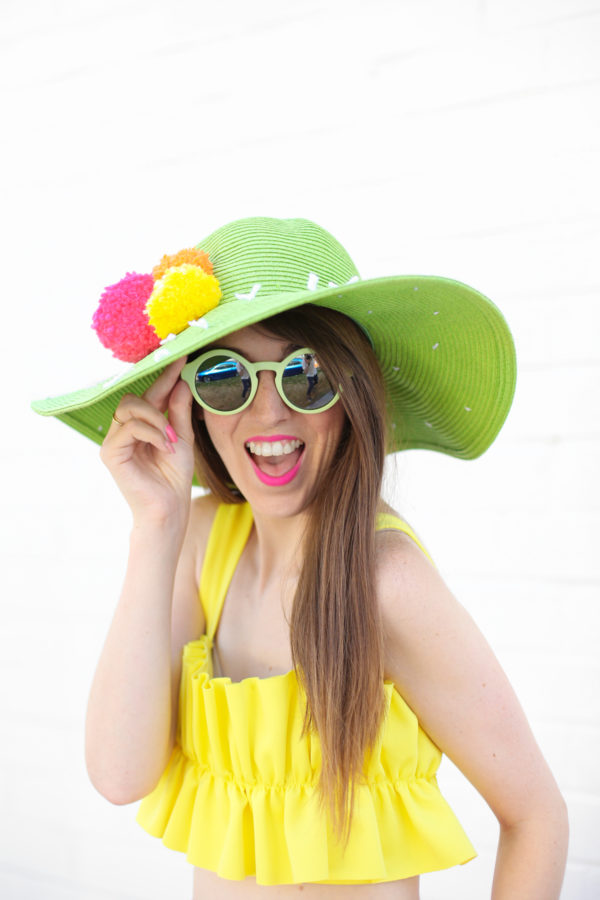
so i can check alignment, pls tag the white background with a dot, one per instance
(430, 137)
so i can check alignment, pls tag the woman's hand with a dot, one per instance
(150, 458)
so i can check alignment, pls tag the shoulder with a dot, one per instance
(414, 601)
(402, 562)
(402, 567)
(202, 515)
(188, 616)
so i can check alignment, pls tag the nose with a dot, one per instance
(267, 404)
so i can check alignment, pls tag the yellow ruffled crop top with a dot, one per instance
(238, 795)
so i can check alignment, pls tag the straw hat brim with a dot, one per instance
(446, 354)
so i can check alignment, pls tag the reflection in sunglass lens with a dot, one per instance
(305, 384)
(222, 383)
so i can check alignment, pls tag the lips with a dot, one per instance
(276, 458)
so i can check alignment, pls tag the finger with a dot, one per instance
(134, 407)
(121, 414)
(158, 392)
(136, 431)
(180, 411)
(131, 412)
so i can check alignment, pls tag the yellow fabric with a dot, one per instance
(238, 795)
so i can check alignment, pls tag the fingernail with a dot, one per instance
(171, 434)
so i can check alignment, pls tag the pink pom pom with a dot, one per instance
(121, 321)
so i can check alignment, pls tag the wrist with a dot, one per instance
(164, 533)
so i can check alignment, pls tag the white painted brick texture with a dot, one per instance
(443, 138)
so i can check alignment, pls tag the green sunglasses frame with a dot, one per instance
(188, 374)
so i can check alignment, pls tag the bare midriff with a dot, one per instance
(208, 886)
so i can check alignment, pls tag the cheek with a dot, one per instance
(220, 431)
(212, 426)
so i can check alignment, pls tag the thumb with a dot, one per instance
(180, 411)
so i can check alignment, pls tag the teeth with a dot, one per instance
(273, 448)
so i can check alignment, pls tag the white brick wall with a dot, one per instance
(447, 138)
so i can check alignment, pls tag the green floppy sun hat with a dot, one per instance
(445, 351)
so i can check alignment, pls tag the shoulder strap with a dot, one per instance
(230, 531)
(387, 521)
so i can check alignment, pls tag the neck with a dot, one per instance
(278, 547)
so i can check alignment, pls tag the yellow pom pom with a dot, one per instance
(183, 293)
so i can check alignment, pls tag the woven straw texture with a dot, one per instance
(446, 353)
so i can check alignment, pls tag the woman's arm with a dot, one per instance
(449, 676)
(132, 706)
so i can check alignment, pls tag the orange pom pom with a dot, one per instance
(190, 255)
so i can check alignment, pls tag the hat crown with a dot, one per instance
(259, 257)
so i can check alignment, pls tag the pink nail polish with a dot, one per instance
(171, 434)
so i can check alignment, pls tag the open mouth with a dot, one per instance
(275, 462)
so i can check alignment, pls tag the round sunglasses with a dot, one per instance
(224, 382)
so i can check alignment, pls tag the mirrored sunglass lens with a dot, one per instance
(222, 383)
(305, 384)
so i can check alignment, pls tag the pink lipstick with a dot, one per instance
(267, 467)
(259, 438)
(276, 480)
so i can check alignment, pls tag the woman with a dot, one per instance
(285, 661)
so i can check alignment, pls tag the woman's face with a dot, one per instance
(274, 454)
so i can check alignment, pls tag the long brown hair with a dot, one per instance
(335, 630)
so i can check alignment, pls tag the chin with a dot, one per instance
(281, 507)
(277, 503)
